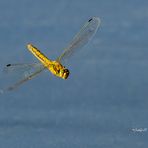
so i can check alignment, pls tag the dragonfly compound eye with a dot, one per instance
(65, 74)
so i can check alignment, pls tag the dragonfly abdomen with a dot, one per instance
(39, 55)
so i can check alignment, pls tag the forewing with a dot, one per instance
(81, 38)
(20, 68)
(16, 74)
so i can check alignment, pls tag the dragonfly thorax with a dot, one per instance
(58, 70)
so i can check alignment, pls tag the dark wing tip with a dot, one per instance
(90, 20)
(8, 65)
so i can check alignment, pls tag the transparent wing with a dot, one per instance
(17, 68)
(21, 72)
(82, 38)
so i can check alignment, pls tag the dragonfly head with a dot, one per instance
(64, 73)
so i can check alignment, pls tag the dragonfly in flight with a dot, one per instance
(87, 31)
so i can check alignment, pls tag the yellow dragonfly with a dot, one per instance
(55, 67)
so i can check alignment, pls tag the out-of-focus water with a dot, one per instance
(105, 98)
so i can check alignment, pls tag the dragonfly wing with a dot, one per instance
(26, 78)
(14, 68)
(82, 37)
(17, 74)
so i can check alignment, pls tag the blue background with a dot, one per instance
(105, 97)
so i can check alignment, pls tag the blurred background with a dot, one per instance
(104, 101)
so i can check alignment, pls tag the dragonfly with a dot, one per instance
(56, 67)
